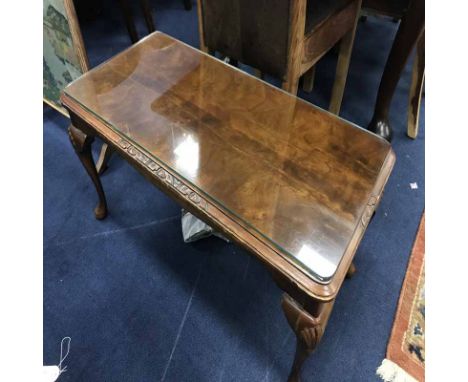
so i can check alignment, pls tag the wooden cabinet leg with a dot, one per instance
(308, 329)
(82, 144)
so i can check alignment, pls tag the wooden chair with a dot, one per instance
(283, 38)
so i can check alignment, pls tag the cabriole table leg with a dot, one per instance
(308, 328)
(82, 144)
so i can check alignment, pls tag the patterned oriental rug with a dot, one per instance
(406, 349)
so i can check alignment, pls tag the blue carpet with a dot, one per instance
(140, 305)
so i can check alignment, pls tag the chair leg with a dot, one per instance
(129, 22)
(146, 9)
(344, 56)
(291, 85)
(417, 82)
(297, 13)
(308, 80)
(201, 36)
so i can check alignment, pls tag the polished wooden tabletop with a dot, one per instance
(298, 176)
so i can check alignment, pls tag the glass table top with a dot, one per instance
(295, 174)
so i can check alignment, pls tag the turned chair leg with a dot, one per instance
(82, 144)
(415, 96)
(342, 66)
(308, 330)
(104, 157)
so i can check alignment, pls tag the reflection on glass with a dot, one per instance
(187, 155)
(320, 264)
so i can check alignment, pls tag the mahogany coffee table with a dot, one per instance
(292, 184)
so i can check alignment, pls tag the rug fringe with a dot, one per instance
(391, 372)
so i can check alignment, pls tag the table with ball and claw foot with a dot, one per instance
(292, 184)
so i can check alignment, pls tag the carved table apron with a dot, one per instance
(307, 303)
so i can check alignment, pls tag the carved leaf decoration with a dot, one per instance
(311, 336)
(168, 179)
